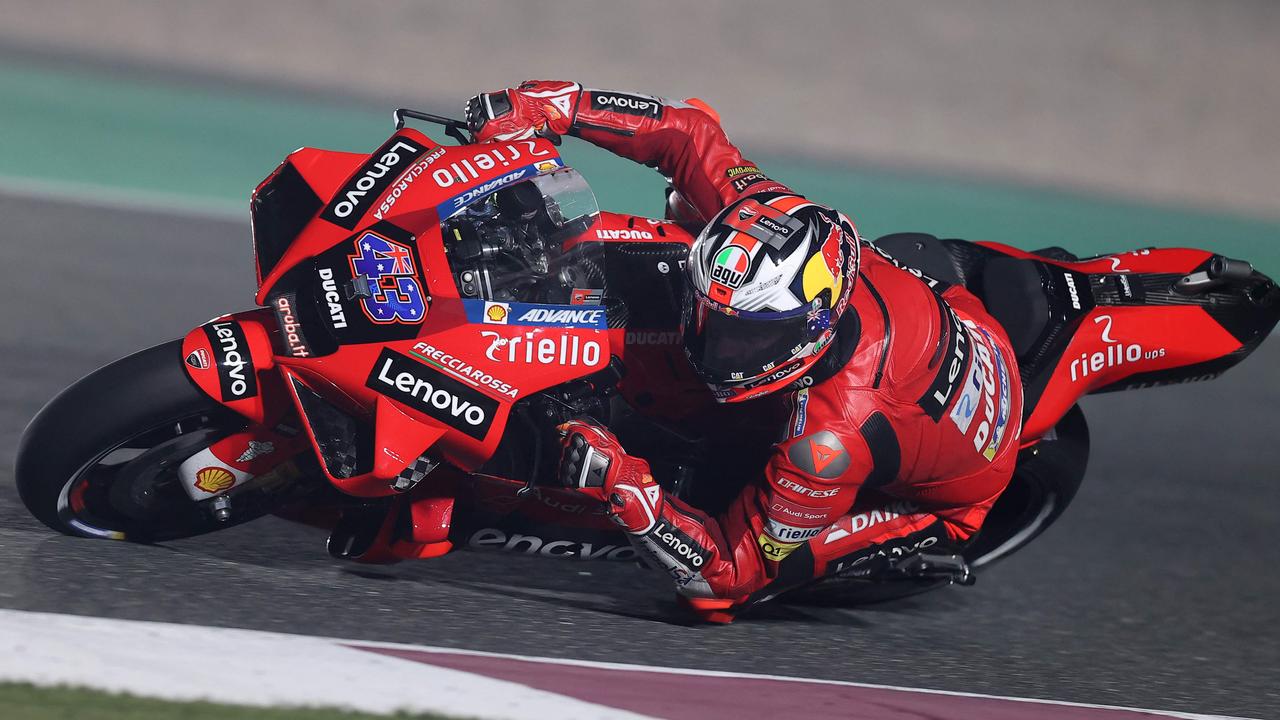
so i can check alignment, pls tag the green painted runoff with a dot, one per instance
(211, 146)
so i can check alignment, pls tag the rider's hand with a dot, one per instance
(536, 107)
(594, 463)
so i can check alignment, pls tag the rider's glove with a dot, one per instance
(594, 463)
(537, 107)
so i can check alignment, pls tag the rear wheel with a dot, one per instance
(101, 459)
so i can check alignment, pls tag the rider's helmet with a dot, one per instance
(768, 280)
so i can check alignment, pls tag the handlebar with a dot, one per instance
(453, 128)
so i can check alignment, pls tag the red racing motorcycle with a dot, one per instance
(428, 314)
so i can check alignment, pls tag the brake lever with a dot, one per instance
(549, 136)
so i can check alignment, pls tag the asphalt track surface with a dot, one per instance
(1157, 589)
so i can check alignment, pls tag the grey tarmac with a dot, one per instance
(1157, 588)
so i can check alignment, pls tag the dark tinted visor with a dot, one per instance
(727, 346)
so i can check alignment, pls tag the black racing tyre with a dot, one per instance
(100, 459)
(1045, 482)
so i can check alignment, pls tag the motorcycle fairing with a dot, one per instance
(1108, 323)
(1115, 322)
(230, 358)
(377, 353)
(439, 179)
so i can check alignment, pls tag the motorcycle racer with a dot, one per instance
(905, 410)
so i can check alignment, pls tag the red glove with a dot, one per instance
(594, 463)
(541, 107)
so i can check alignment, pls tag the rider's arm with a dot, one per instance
(684, 142)
(681, 139)
(807, 485)
(809, 482)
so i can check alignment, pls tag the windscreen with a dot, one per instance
(529, 243)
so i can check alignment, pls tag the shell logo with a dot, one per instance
(496, 313)
(214, 480)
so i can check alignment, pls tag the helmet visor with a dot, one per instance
(729, 346)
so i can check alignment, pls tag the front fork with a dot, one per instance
(231, 358)
(235, 462)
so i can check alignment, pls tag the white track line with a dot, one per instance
(247, 667)
(189, 662)
(784, 678)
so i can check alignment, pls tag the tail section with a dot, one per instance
(1138, 319)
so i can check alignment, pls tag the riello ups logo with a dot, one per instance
(433, 393)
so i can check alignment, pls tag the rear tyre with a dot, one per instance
(101, 459)
(1045, 482)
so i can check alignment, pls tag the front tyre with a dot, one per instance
(101, 459)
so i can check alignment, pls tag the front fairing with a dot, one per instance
(370, 315)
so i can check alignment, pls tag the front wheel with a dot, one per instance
(101, 459)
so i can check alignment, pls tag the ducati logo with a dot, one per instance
(198, 359)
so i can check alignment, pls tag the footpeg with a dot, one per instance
(952, 568)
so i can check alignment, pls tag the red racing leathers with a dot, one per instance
(904, 445)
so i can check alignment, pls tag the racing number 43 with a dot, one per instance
(387, 266)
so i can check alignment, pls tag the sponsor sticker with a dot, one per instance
(214, 480)
(432, 393)
(627, 103)
(781, 506)
(1113, 354)
(745, 181)
(652, 337)
(624, 234)
(387, 266)
(450, 207)
(290, 329)
(462, 370)
(730, 266)
(820, 454)
(788, 484)
(966, 407)
(586, 296)
(534, 315)
(532, 348)
(783, 532)
(355, 198)
(198, 359)
(680, 546)
(495, 539)
(856, 523)
(801, 414)
(405, 181)
(954, 362)
(1002, 417)
(773, 549)
(236, 374)
(496, 313)
(520, 154)
(255, 450)
(333, 301)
